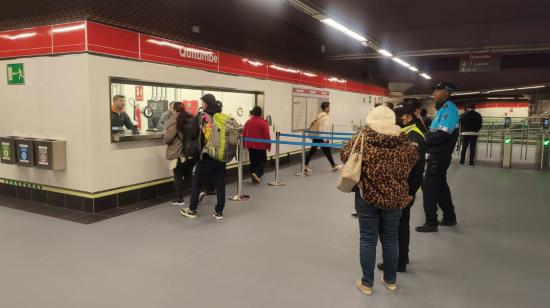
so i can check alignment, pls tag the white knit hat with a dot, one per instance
(382, 120)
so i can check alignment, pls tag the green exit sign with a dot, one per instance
(16, 74)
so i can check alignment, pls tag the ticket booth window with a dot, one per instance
(139, 109)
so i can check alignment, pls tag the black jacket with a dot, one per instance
(471, 121)
(417, 173)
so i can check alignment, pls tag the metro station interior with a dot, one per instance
(96, 211)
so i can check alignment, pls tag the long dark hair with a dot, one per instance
(183, 116)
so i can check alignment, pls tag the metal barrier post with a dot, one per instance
(240, 196)
(332, 134)
(506, 149)
(527, 138)
(522, 139)
(492, 132)
(303, 168)
(276, 182)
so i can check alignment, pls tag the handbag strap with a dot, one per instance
(356, 141)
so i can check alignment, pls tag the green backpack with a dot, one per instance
(222, 137)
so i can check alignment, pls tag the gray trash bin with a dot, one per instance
(7, 150)
(50, 154)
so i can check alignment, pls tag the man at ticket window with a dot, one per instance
(441, 141)
(119, 118)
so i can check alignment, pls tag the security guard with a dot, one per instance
(441, 141)
(406, 119)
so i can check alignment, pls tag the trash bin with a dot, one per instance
(7, 148)
(50, 154)
(25, 151)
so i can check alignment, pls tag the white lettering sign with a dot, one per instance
(197, 54)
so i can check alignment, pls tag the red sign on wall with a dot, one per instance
(191, 106)
(139, 93)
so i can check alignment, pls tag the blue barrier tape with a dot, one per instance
(307, 144)
(328, 133)
(314, 137)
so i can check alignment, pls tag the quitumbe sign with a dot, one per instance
(198, 54)
(16, 74)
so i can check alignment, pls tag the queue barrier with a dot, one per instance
(276, 182)
(328, 133)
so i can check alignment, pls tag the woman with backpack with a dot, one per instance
(181, 137)
(322, 124)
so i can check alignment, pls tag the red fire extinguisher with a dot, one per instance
(137, 116)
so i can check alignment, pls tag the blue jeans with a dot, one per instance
(207, 169)
(372, 222)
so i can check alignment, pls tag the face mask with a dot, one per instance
(400, 123)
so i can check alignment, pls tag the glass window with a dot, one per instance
(139, 110)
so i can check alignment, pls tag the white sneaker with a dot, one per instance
(336, 168)
(308, 170)
(178, 202)
(201, 196)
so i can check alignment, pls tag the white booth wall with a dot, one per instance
(68, 98)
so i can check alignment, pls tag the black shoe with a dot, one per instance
(218, 215)
(445, 223)
(400, 269)
(354, 216)
(425, 228)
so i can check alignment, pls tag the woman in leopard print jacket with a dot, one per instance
(388, 157)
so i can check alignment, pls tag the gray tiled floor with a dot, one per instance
(292, 246)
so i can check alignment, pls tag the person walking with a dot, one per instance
(256, 127)
(381, 193)
(405, 116)
(322, 124)
(441, 141)
(181, 136)
(470, 125)
(207, 166)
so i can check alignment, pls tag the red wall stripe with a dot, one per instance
(103, 39)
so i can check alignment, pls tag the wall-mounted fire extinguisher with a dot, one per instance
(137, 115)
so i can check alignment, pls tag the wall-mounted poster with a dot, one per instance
(306, 104)
(299, 113)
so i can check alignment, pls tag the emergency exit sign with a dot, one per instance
(16, 74)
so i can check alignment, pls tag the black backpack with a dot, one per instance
(191, 138)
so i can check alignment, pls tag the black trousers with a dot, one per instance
(404, 235)
(258, 159)
(468, 142)
(208, 169)
(436, 190)
(183, 173)
(326, 151)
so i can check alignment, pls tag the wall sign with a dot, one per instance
(6, 151)
(24, 153)
(43, 156)
(16, 74)
(139, 93)
(306, 106)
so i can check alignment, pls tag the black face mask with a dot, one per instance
(400, 123)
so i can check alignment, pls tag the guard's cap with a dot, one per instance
(445, 86)
(403, 109)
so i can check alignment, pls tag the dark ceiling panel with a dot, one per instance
(272, 30)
